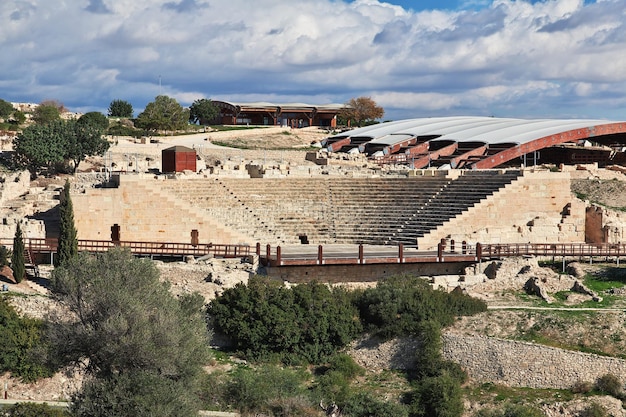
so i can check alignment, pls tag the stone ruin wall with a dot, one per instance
(144, 213)
(19, 200)
(522, 364)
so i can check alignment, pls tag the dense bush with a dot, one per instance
(362, 404)
(268, 390)
(20, 338)
(398, 305)
(133, 393)
(594, 410)
(610, 384)
(266, 320)
(32, 410)
(437, 396)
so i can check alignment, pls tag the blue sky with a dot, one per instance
(513, 58)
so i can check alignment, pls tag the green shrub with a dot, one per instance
(33, 410)
(345, 365)
(134, 393)
(582, 387)
(5, 255)
(261, 390)
(438, 396)
(362, 404)
(20, 339)
(610, 384)
(594, 410)
(332, 387)
(398, 305)
(304, 324)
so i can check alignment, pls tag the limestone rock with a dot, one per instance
(533, 286)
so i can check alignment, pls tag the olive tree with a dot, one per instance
(43, 146)
(142, 347)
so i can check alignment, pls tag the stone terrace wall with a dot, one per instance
(521, 364)
(539, 208)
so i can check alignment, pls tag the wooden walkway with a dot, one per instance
(337, 254)
(446, 252)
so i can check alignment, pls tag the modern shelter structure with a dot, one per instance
(295, 115)
(478, 142)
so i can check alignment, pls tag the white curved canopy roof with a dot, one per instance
(523, 135)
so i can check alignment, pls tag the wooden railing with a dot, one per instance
(45, 246)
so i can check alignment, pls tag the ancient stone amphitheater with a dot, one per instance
(416, 208)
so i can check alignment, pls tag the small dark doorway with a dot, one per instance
(304, 240)
(195, 238)
(115, 233)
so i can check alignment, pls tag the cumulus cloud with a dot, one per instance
(502, 57)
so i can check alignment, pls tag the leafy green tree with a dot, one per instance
(132, 335)
(18, 259)
(20, 339)
(164, 113)
(40, 146)
(68, 242)
(203, 111)
(265, 319)
(361, 111)
(33, 410)
(95, 119)
(6, 109)
(43, 146)
(120, 108)
(46, 113)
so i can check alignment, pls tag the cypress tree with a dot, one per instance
(18, 262)
(68, 243)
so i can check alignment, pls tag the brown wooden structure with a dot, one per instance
(178, 159)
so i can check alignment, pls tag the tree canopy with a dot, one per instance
(42, 146)
(6, 109)
(361, 111)
(95, 119)
(144, 347)
(164, 113)
(46, 114)
(306, 323)
(203, 111)
(120, 108)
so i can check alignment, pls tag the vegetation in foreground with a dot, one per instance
(292, 340)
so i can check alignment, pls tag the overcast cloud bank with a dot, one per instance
(557, 58)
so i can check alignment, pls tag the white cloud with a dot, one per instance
(509, 57)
